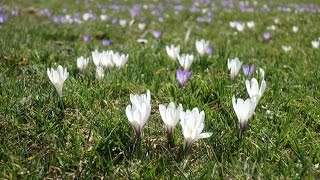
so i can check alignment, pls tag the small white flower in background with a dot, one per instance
(142, 41)
(139, 112)
(186, 60)
(244, 111)
(286, 48)
(57, 77)
(315, 44)
(202, 46)
(141, 26)
(119, 60)
(261, 73)
(123, 22)
(240, 26)
(170, 115)
(192, 123)
(131, 23)
(234, 65)
(295, 29)
(272, 27)
(173, 52)
(253, 89)
(99, 73)
(250, 24)
(232, 24)
(82, 63)
(276, 20)
(104, 17)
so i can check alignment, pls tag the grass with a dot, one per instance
(89, 141)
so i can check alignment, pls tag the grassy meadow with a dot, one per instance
(86, 134)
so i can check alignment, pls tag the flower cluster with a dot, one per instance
(192, 122)
(244, 109)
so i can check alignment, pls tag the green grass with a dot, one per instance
(89, 141)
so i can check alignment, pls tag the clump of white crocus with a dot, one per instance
(286, 48)
(99, 73)
(234, 65)
(244, 111)
(102, 59)
(173, 52)
(202, 46)
(192, 123)
(170, 116)
(295, 29)
(255, 92)
(119, 60)
(82, 63)
(250, 24)
(57, 77)
(186, 60)
(315, 44)
(139, 112)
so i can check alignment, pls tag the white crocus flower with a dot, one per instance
(286, 48)
(315, 44)
(99, 73)
(57, 77)
(170, 115)
(250, 24)
(96, 57)
(186, 60)
(240, 26)
(107, 59)
(173, 52)
(119, 60)
(123, 22)
(295, 29)
(102, 59)
(104, 17)
(192, 123)
(234, 65)
(202, 46)
(255, 92)
(139, 112)
(141, 26)
(244, 111)
(82, 63)
(261, 73)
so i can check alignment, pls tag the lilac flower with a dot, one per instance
(248, 69)
(157, 34)
(3, 18)
(106, 42)
(267, 35)
(57, 19)
(114, 21)
(14, 12)
(135, 11)
(86, 38)
(210, 50)
(45, 12)
(183, 76)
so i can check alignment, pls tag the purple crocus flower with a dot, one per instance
(14, 12)
(183, 76)
(267, 36)
(45, 12)
(114, 21)
(3, 18)
(248, 69)
(106, 42)
(86, 38)
(210, 50)
(157, 34)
